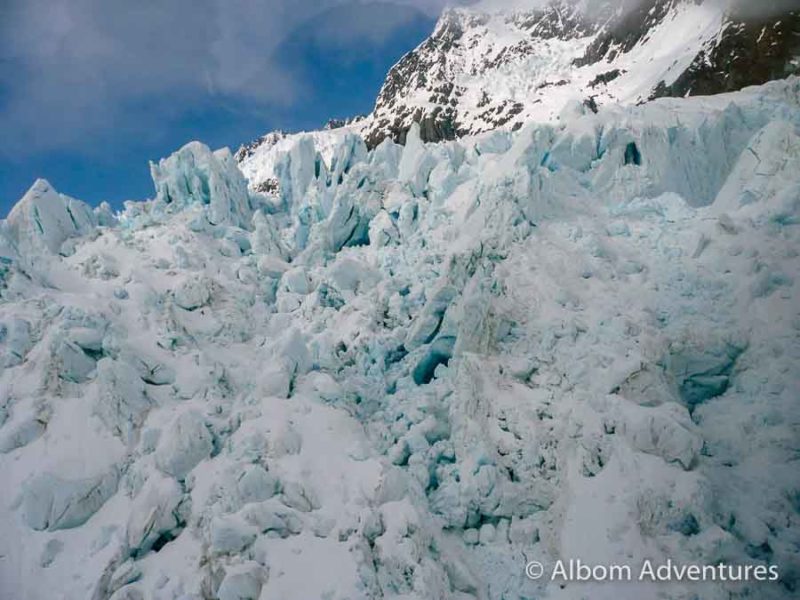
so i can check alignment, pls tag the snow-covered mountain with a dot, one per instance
(492, 67)
(322, 369)
(483, 69)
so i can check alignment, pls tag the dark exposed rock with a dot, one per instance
(605, 78)
(339, 123)
(269, 186)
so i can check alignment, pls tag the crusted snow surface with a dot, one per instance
(415, 369)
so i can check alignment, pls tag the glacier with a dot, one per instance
(406, 372)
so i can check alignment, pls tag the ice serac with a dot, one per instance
(44, 219)
(196, 175)
(418, 368)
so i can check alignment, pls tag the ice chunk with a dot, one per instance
(274, 379)
(285, 441)
(351, 151)
(242, 582)
(154, 513)
(292, 351)
(15, 341)
(87, 338)
(256, 484)
(487, 533)
(196, 175)
(265, 239)
(348, 274)
(104, 215)
(438, 353)
(296, 495)
(185, 443)
(272, 516)
(296, 170)
(8, 250)
(495, 142)
(666, 431)
(150, 369)
(416, 163)
(382, 230)
(427, 324)
(296, 281)
(72, 362)
(20, 432)
(703, 367)
(121, 401)
(230, 534)
(769, 163)
(50, 502)
(386, 157)
(44, 219)
(51, 550)
(193, 293)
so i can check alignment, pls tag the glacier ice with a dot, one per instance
(15, 335)
(193, 293)
(242, 582)
(184, 443)
(405, 372)
(44, 219)
(196, 175)
(154, 513)
(50, 502)
(121, 401)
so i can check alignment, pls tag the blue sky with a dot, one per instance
(90, 90)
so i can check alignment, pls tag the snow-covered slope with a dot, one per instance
(411, 370)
